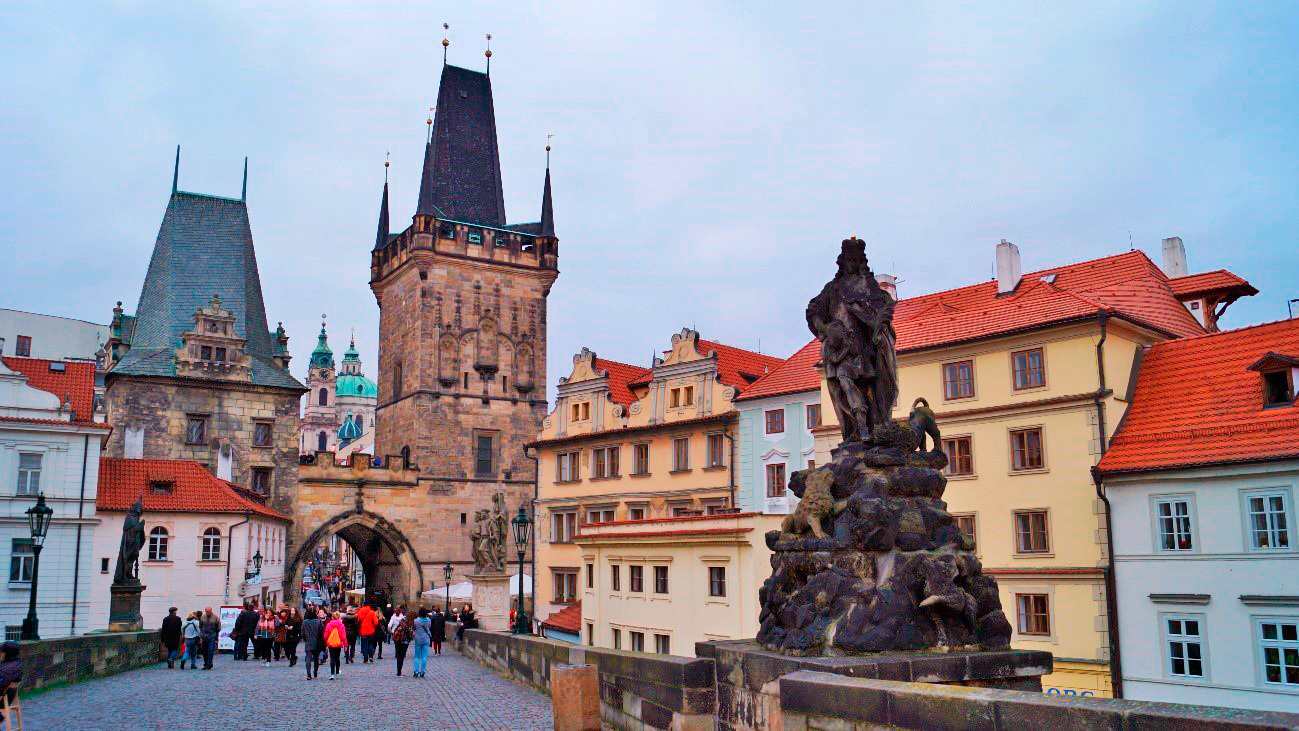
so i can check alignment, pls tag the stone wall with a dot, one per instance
(812, 700)
(637, 690)
(70, 659)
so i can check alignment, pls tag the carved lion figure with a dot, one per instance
(817, 505)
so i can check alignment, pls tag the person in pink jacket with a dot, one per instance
(335, 641)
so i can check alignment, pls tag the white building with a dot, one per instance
(32, 335)
(1202, 477)
(202, 535)
(49, 444)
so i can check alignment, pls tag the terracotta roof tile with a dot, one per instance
(796, 375)
(568, 619)
(1219, 280)
(194, 489)
(77, 380)
(621, 376)
(739, 367)
(1197, 402)
(54, 422)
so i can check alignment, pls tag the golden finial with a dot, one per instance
(489, 45)
(445, 27)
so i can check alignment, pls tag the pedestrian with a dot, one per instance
(210, 630)
(423, 627)
(367, 621)
(399, 628)
(292, 634)
(170, 634)
(265, 635)
(335, 642)
(281, 634)
(11, 672)
(191, 633)
(245, 628)
(439, 630)
(381, 632)
(313, 628)
(353, 625)
(467, 621)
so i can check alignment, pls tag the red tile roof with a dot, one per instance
(724, 417)
(1196, 403)
(795, 375)
(54, 422)
(568, 619)
(1214, 282)
(621, 375)
(194, 489)
(76, 380)
(739, 367)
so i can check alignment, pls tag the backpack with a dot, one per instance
(334, 638)
(404, 632)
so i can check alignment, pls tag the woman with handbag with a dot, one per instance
(191, 633)
(402, 633)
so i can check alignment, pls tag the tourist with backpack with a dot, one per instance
(423, 638)
(335, 642)
(399, 627)
(192, 636)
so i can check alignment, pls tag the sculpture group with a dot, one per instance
(871, 560)
(488, 537)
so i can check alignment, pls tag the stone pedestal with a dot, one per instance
(491, 601)
(578, 688)
(124, 608)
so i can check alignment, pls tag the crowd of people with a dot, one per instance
(325, 635)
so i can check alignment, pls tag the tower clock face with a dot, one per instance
(326, 375)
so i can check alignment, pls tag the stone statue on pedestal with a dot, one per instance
(128, 554)
(871, 561)
(489, 535)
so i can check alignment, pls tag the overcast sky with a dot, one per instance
(708, 157)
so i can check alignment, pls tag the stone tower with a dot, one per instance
(320, 421)
(462, 332)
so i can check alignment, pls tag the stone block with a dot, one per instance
(818, 694)
(578, 687)
(654, 715)
(1057, 712)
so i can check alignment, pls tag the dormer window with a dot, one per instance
(1278, 373)
(474, 236)
(161, 487)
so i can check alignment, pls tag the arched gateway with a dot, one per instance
(387, 556)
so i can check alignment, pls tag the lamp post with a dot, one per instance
(38, 519)
(522, 531)
(257, 567)
(446, 572)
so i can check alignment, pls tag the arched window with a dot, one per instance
(324, 397)
(405, 457)
(322, 442)
(158, 544)
(211, 544)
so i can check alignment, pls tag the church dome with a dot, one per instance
(351, 430)
(354, 385)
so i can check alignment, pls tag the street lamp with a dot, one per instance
(38, 519)
(446, 571)
(522, 530)
(257, 567)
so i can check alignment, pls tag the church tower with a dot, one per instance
(462, 328)
(319, 432)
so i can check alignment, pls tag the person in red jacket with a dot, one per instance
(368, 620)
(335, 641)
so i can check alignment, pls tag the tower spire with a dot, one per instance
(445, 27)
(175, 173)
(489, 54)
(243, 196)
(381, 238)
(547, 208)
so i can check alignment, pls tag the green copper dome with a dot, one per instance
(353, 385)
(351, 430)
(322, 356)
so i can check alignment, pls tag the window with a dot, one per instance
(196, 429)
(1034, 614)
(566, 466)
(716, 581)
(617, 638)
(680, 454)
(221, 355)
(775, 420)
(211, 545)
(582, 411)
(813, 412)
(13, 632)
(565, 585)
(162, 487)
(1268, 528)
(776, 480)
(474, 237)
(714, 506)
(1173, 524)
(615, 578)
(483, 455)
(563, 526)
(685, 508)
(600, 515)
(968, 527)
(960, 456)
(1030, 532)
(262, 480)
(29, 473)
(640, 459)
(1184, 646)
(1277, 389)
(688, 396)
(604, 462)
(590, 576)
(396, 380)
(1279, 647)
(464, 379)
(637, 641)
(24, 346)
(636, 513)
(958, 380)
(322, 442)
(262, 434)
(103, 565)
(660, 579)
(662, 645)
(22, 559)
(1026, 449)
(205, 352)
(158, 544)
(1027, 368)
(674, 398)
(637, 578)
(323, 397)
(716, 450)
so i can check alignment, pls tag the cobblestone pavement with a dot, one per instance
(457, 694)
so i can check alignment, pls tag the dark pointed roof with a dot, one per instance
(547, 210)
(381, 239)
(462, 166)
(204, 247)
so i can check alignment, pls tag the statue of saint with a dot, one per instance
(489, 535)
(128, 555)
(500, 530)
(853, 318)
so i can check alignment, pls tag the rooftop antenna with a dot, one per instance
(1131, 246)
(243, 195)
(175, 173)
(488, 54)
(445, 27)
(386, 162)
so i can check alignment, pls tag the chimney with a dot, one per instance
(888, 283)
(1008, 273)
(1174, 257)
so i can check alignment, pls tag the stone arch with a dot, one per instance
(379, 538)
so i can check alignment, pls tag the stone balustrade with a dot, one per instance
(70, 659)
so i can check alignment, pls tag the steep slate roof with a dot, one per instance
(1196, 403)
(621, 375)
(77, 380)
(568, 619)
(462, 165)
(204, 247)
(1217, 281)
(194, 489)
(795, 375)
